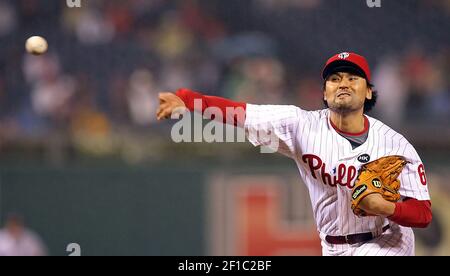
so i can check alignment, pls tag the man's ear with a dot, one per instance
(369, 93)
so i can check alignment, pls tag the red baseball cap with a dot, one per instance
(347, 62)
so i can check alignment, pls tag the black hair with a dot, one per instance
(368, 104)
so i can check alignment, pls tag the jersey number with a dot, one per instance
(422, 176)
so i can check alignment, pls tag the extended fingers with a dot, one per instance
(163, 113)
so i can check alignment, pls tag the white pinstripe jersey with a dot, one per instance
(328, 164)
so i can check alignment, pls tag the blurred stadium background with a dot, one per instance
(82, 159)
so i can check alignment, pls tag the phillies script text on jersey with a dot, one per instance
(342, 172)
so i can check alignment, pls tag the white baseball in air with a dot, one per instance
(36, 45)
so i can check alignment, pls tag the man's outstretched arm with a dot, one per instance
(232, 112)
(275, 127)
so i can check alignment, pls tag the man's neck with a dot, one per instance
(349, 123)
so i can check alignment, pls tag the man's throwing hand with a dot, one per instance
(169, 104)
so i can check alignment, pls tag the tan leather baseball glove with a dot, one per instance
(379, 176)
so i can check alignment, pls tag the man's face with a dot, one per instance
(346, 92)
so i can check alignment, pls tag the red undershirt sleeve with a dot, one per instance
(412, 213)
(230, 112)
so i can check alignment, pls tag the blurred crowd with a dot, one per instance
(109, 59)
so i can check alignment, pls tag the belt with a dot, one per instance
(352, 239)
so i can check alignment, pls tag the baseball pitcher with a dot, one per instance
(366, 181)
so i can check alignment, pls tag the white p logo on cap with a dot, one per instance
(343, 55)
